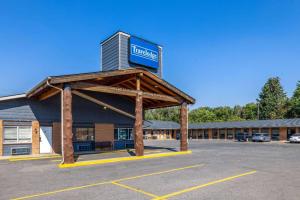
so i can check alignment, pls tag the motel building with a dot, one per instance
(96, 111)
(279, 129)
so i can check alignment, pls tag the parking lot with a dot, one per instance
(215, 170)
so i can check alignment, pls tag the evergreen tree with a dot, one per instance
(294, 103)
(272, 100)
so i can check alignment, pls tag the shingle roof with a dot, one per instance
(248, 124)
(156, 124)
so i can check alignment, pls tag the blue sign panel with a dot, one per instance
(143, 53)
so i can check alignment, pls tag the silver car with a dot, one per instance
(295, 138)
(261, 137)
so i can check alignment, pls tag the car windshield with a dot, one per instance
(258, 134)
(297, 134)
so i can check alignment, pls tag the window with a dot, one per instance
(205, 133)
(84, 134)
(255, 130)
(13, 135)
(275, 134)
(215, 134)
(264, 130)
(123, 134)
(229, 134)
(222, 133)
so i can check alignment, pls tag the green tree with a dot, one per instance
(223, 113)
(249, 111)
(238, 110)
(294, 103)
(203, 114)
(164, 114)
(272, 100)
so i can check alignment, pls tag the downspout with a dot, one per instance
(62, 119)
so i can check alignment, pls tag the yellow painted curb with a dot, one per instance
(122, 159)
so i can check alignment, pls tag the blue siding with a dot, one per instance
(110, 54)
(84, 111)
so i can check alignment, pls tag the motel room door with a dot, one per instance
(46, 139)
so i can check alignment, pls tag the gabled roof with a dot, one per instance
(118, 78)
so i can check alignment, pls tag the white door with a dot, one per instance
(46, 139)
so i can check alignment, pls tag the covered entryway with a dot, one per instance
(144, 89)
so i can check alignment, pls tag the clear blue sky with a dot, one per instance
(220, 52)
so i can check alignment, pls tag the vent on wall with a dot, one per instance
(20, 151)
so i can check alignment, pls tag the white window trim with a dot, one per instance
(18, 142)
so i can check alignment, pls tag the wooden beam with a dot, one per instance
(168, 88)
(48, 94)
(96, 101)
(89, 76)
(128, 92)
(138, 83)
(124, 81)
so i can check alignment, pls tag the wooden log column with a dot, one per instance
(138, 126)
(68, 150)
(183, 127)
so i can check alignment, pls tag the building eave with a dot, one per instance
(11, 97)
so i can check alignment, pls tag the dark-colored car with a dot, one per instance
(261, 137)
(242, 137)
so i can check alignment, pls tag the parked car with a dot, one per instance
(261, 137)
(295, 138)
(242, 137)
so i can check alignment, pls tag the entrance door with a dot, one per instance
(46, 139)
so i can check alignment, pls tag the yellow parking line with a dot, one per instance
(135, 189)
(202, 186)
(157, 173)
(62, 190)
(105, 182)
(122, 159)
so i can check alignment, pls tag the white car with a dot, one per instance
(295, 138)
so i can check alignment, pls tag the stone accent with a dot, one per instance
(138, 126)
(104, 132)
(56, 137)
(35, 137)
(68, 150)
(283, 133)
(183, 127)
(1, 138)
